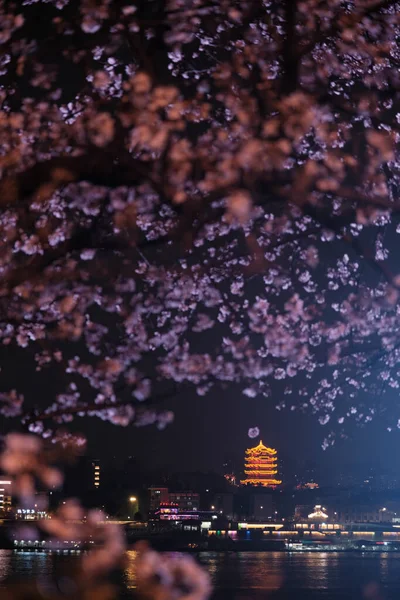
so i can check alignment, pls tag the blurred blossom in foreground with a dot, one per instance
(253, 432)
(170, 576)
(28, 460)
(24, 459)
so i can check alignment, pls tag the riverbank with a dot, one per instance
(285, 547)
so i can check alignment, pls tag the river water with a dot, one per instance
(254, 575)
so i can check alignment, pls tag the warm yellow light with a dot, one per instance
(262, 482)
(261, 465)
(132, 499)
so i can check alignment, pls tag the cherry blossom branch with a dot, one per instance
(350, 21)
(93, 407)
(330, 223)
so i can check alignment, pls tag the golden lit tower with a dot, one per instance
(260, 466)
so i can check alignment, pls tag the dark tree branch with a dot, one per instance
(84, 409)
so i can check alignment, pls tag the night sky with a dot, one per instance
(207, 430)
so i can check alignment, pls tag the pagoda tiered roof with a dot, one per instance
(261, 466)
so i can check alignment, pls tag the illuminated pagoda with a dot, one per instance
(260, 466)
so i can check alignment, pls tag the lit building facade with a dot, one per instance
(96, 474)
(158, 496)
(365, 514)
(260, 467)
(185, 500)
(182, 500)
(31, 514)
(171, 512)
(319, 512)
(36, 510)
(5, 495)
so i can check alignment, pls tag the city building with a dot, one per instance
(262, 509)
(5, 495)
(319, 512)
(31, 514)
(260, 467)
(347, 515)
(185, 500)
(301, 511)
(223, 503)
(168, 517)
(36, 509)
(96, 473)
(171, 512)
(365, 514)
(158, 496)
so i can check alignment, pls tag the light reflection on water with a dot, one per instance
(255, 575)
(130, 571)
(5, 562)
(307, 574)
